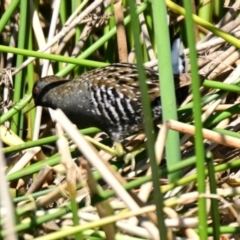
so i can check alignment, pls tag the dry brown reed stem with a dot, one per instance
(225, 65)
(26, 158)
(232, 26)
(231, 14)
(57, 49)
(68, 36)
(223, 124)
(134, 141)
(196, 32)
(205, 59)
(191, 234)
(207, 134)
(121, 33)
(87, 30)
(212, 107)
(172, 214)
(213, 64)
(40, 179)
(50, 197)
(220, 107)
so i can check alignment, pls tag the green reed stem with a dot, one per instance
(8, 14)
(168, 98)
(202, 214)
(213, 190)
(19, 81)
(148, 122)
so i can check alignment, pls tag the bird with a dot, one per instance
(107, 98)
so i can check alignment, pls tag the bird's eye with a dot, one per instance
(35, 90)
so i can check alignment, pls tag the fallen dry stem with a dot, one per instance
(207, 134)
(40, 179)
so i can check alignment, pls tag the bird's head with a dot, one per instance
(43, 86)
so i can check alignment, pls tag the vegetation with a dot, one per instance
(72, 184)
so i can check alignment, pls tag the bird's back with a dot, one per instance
(115, 97)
